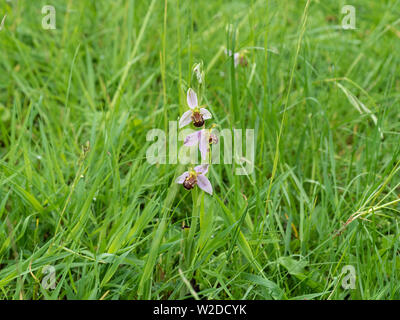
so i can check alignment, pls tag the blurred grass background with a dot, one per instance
(77, 193)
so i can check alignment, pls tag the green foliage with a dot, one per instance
(77, 193)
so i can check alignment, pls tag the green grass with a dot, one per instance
(77, 193)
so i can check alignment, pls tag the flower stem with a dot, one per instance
(189, 239)
(189, 252)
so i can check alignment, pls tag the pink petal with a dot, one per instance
(236, 58)
(191, 99)
(203, 144)
(201, 169)
(204, 183)
(182, 177)
(205, 113)
(192, 139)
(185, 119)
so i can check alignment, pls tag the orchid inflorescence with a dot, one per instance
(203, 138)
(238, 57)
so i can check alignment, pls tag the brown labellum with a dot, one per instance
(243, 61)
(213, 139)
(197, 118)
(190, 182)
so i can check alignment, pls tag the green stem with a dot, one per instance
(189, 239)
(193, 228)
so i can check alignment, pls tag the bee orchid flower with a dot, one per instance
(204, 138)
(196, 176)
(196, 114)
(238, 57)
